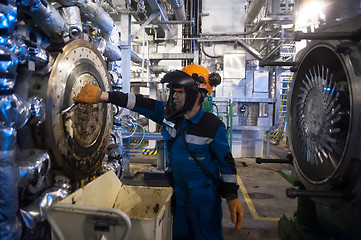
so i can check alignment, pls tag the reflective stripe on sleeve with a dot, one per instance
(198, 140)
(230, 178)
(171, 131)
(131, 101)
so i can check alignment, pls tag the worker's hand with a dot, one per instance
(236, 210)
(88, 94)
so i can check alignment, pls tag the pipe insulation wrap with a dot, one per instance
(35, 213)
(8, 68)
(32, 164)
(8, 18)
(94, 12)
(10, 227)
(45, 16)
(71, 16)
(112, 50)
(37, 110)
(14, 111)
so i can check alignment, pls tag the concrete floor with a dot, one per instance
(263, 197)
(262, 194)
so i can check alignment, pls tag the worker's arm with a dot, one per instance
(150, 108)
(228, 186)
(104, 97)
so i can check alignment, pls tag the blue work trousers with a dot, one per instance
(198, 222)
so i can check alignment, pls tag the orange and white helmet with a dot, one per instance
(202, 76)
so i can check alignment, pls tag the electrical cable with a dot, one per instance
(216, 108)
(194, 41)
(113, 137)
(210, 56)
(131, 122)
(141, 140)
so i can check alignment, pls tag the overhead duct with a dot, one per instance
(93, 11)
(253, 10)
(179, 11)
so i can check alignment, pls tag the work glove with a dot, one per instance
(236, 210)
(88, 94)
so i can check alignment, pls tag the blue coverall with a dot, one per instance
(198, 213)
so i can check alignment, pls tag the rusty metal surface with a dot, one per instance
(79, 137)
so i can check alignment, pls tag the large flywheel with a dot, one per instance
(324, 113)
(78, 138)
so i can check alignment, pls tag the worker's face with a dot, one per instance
(179, 99)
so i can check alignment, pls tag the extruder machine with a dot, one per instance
(48, 146)
(324, 119)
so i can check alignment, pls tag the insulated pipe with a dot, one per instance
(8, 68)
(179, 10)
(72, 18)
(45, 16)
(112, 50)
(10, 227)
(93, 11)
(253, 10)
(8, 18)
(32, 165)
(14, 111)
(9, 175)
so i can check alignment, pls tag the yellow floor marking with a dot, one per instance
(250, 205)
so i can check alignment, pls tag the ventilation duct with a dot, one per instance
(253, 10)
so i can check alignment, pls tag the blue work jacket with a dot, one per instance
(205, 137)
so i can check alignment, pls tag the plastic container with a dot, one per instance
(147, 207)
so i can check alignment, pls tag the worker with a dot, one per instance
(201, 165)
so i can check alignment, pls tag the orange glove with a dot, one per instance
(88, 94)
(236, 210)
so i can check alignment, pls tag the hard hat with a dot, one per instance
(202, 76)
(179, 81)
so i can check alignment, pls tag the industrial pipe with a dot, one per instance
(293, 193)
(8, 67)
(179, 10)
(45, 16)
(72, 17)
(264, 160)
(93, 11)
(356, 35)
(10, 227)
(8, 18)
(253, 10)
(32, 165)
(34, 215)
(263, 63)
